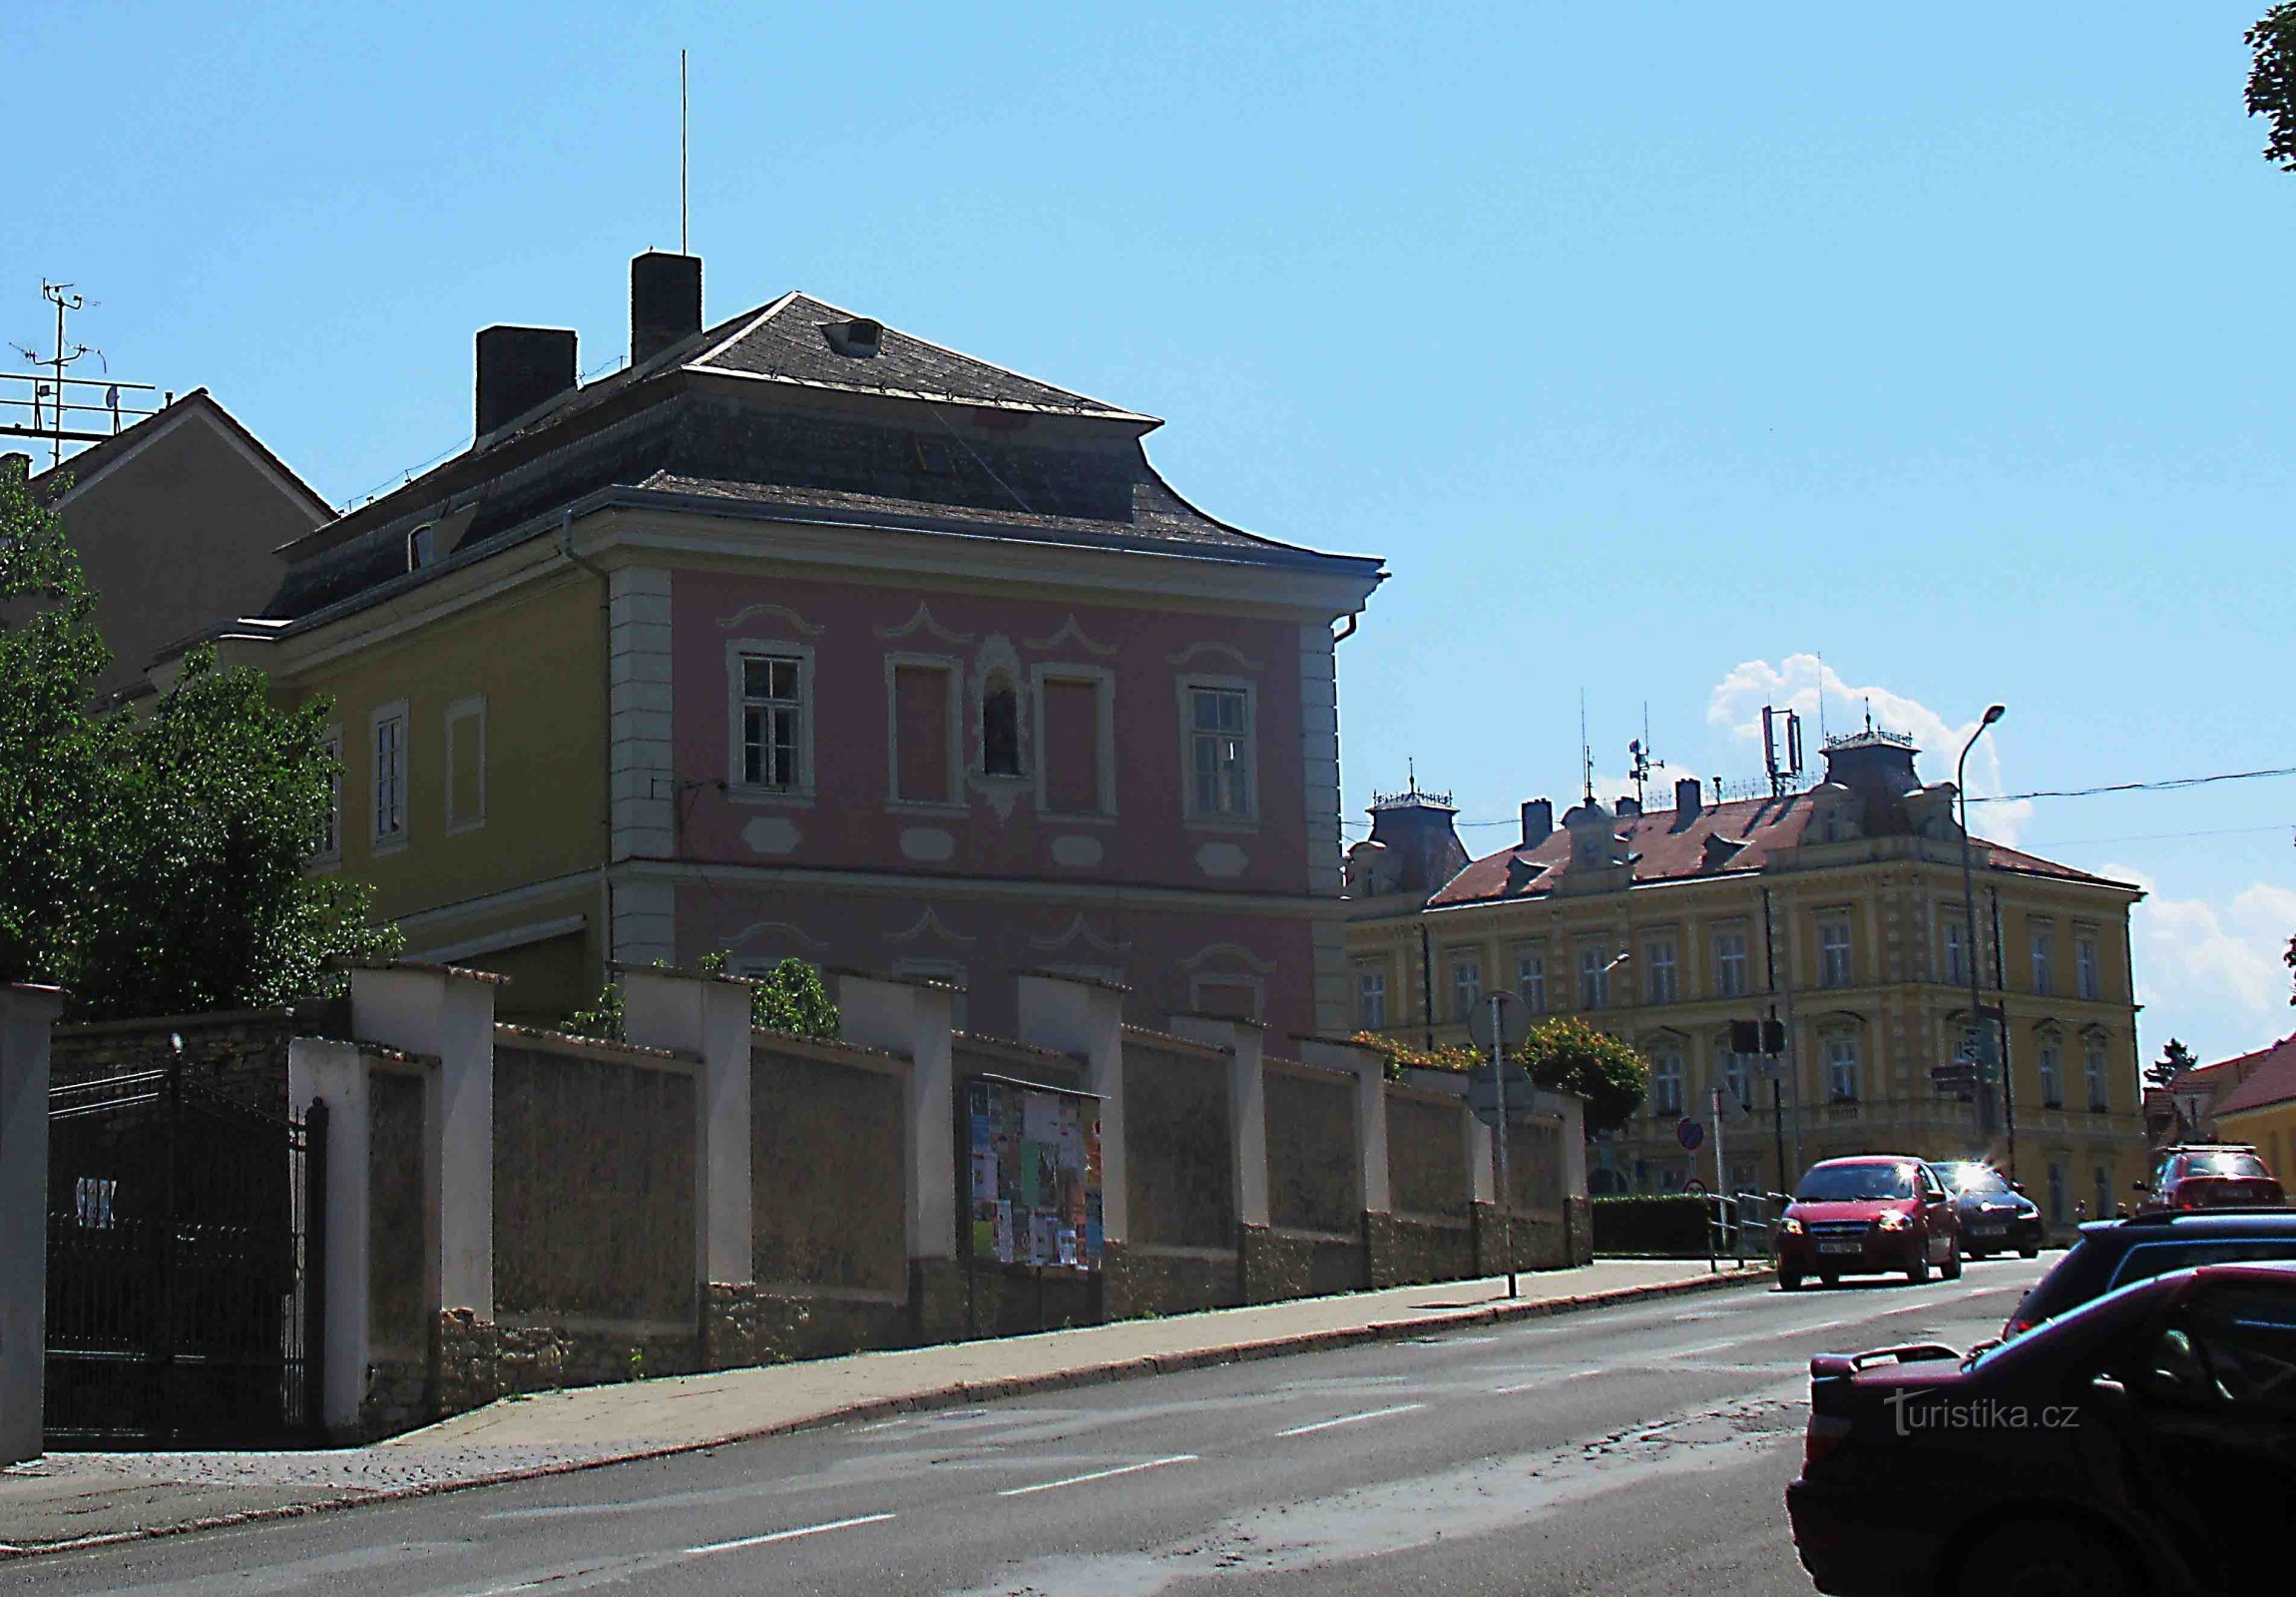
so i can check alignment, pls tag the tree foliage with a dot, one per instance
(1398, 1056)
(2175, 1060)
(2273, 81)
(154, 861)
(1565, 1054)
(788, 998)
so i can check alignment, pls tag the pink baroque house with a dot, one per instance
(913, 664)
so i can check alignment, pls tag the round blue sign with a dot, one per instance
(1689, 1133)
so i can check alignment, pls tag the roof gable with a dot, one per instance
(199, 407)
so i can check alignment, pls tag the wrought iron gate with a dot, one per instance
(184, 1267)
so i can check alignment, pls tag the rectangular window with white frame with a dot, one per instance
(387, 745)
(922, 729)
(771, 720)
(2093, 1071)
(1594, 978)
(328, 846)
(1836, 968)
(1076, 741)
(2088, 971)
(1660, 977)
(466, 765)
(1371, 1000)
(1731, 1071)
(1466, 985)
(1845, 1074)
(1217, 717)
(1955, 949)
(1666, 1083)
(2042, 947)
(1731, 963)
(1530, 979)
(2051, 1074)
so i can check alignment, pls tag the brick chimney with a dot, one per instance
(519, 369)
(1538, 821)
(1687, 796)
(665, 303)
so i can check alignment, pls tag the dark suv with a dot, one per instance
(1996, 1216)
(2112, 1254)
(2141, 1446)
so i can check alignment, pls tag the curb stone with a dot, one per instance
(957, 1396)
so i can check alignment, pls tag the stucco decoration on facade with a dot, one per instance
(929, 925)
(1222, 860)
(1079, 931)
(1214, 954)
(1225, 651)
(1070, 631)
(772, 835)
(923, 619)
(1079, 852)
(928, 844)
(769, 929)
(747, 613)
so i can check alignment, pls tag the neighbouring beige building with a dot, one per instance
(1838, 908)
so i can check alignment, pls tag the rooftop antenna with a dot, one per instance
(54, 413)
(682, 250)
(1585, 749)
(1411, 769)
(1638, 756)
(1821, 698)
(1869, 717)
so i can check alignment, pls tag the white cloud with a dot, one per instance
(1795, 682)
(2211, 972)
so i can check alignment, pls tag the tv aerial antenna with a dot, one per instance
(1638, 757)
(58, 406)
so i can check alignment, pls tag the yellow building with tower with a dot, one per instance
(1840, 911)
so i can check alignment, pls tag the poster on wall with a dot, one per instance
(1035, 1182)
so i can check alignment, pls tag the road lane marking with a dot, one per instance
(707, 1548)
(1350, 1419)
(1097, 1475)
(1556, 1380)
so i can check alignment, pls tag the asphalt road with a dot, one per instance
(1618, 1452)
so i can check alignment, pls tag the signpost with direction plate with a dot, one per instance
(1500, 1023)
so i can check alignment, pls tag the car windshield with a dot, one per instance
(1849, 1184)
(1971, 1178)
(2224, 1165)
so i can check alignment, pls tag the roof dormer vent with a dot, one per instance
(422, 546)
(860, 337)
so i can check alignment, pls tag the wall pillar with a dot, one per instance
(448, 1015)
(1084, 1016)
(911, 1017)
(709, 1016)
(1371, 1180)
(26, 1015)
(335, 1073)
(1246, 1043)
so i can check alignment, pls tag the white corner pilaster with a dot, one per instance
(1086, 1016)
(447, 1014)
(911, 1017)
(709, 1016)
(1370, 1073)
(637, 715)
(26, 1016)
(1246, 1104)
(335, 1074)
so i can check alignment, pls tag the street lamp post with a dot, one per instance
(1969, 907)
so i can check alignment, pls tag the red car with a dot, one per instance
(1875, 1213)
(2141, 1445)
(2225, 1176)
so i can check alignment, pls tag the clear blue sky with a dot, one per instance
(1648, 344)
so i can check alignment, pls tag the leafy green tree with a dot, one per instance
(1396, 1055)
(1565, 1054)
(788, 998)
(154, 861)
(2175, 1060)
(2272, 82)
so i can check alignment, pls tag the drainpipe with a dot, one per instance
(606, 764)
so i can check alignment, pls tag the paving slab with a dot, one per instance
(81, 1499)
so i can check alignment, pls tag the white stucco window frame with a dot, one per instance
(953, 688)
(738, 791)
(378, 840)
(1104, 685)
(472, 708)
(1193, 819)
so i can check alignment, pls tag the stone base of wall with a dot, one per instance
(794, 1326)
(1142, 1279)
(1538, 1238)
(398, 1397)
(1016, 1301)
(1579, 1214)
(1281, 1265)
(728, 1326)
(1410, 1251)
(936, 1300)
(478, 1361)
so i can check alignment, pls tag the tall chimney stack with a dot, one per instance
(665, 303)
(1687, 796)
(1538, 821)
(518, 368)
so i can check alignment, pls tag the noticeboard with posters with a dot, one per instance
(1034, 1183)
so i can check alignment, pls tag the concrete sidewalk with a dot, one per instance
(80, 1499)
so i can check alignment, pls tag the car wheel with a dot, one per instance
(1917, 1268)
(1831, 1279)
(2029, 1250)
(2046, 1559)
(1952, 1268)
(1789, 1281)
(1975, 1253)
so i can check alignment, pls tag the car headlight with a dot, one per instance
(1896, 1220)
(1789, 1227)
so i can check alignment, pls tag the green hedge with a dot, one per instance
(1673, 1226)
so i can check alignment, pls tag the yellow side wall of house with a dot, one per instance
(534, 659)
(2272, 1130)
